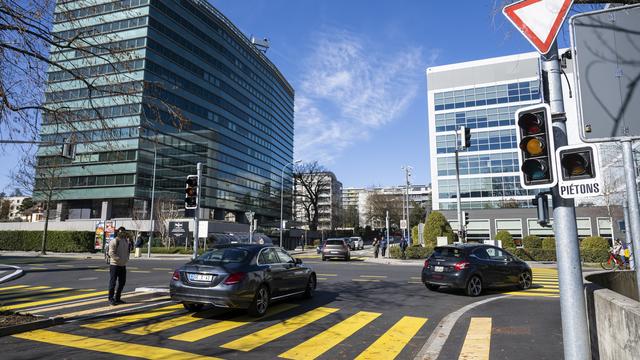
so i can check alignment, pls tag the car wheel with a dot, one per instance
(524, 280)
(260, 302)
(474, 286)
(192, 306)
(432, 287)
(311, 287)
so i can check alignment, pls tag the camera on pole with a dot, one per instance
(537, 150)
(191, 192)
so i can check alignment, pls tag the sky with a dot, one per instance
(358, 69)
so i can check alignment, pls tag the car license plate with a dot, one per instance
(334, 252)
(439, 268)
(199, 277)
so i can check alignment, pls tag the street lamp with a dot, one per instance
(153, 195)
(249, 214)
(282, 194)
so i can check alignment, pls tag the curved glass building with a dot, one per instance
(191, 88)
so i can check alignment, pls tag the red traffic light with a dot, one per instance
(535, 140)
(531, 123)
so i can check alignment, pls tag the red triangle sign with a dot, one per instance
(538, 20)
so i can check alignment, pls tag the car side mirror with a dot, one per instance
(297, 261)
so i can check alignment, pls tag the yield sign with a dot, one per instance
(538, 20)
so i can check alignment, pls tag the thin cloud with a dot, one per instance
(350, 88)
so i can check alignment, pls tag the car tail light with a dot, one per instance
(426, 263)
(461, 265)
(176, 275)
(234, 278)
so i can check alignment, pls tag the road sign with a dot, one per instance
(538, 20)
(607, 73)
(403, 224)
(586, 181)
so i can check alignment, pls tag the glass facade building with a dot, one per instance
(186, 86)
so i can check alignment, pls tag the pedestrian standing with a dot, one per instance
(119, 249)
(383, 246)
(138, 244)
(376, 247)
(403, 247)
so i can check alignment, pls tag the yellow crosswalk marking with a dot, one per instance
(276, 331)
(331, 337)
(52, 301)
(170, 323)
(13, 287)
(530, 293)
(31, 293)
(127, 319)
(226, 325)
(391, 343)
(22, 291)
(109, 346)
(477, 344)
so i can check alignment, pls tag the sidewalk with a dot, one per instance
(99, 256)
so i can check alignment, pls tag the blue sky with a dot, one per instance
(358, 68)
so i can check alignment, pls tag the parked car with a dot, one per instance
(474, 267)
(358, 243)
(246, 276)
(336, 248)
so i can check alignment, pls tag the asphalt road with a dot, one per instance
(360, 309)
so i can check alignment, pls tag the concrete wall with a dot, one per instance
(614, 319)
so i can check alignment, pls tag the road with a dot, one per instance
(360, 310)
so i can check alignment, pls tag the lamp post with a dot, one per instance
(153, 195)
(282, 195)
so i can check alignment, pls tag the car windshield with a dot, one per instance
(448, 252)
(334, 242)
(224, 255)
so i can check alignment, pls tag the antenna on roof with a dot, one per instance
(260, 44)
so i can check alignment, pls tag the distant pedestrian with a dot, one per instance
(403, 247)
(119, 249)
(383, 246)
(138, 244)
(376, 247)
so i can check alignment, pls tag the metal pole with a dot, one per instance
(153, 195)
(575, 333)
(460, 226)
(628, 233)
(282, 196)
(408, 238)
(387, 225)
(196, 217)
(632, 199)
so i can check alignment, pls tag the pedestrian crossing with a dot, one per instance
(27, 297)
(318, 331)
(545, 284)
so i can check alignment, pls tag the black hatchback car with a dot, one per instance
(245, 276)
(474, 267)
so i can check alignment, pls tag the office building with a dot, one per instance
(193, 89)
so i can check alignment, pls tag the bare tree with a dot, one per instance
(314, 181)
(379, 203)
(166, 210)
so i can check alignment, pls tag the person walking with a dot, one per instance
(403, 247)
(138, 244)
(376, 247)
(119, 249)
(383, 246)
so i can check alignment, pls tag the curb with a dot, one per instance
(152, 290)
(14, 275)
(36, 325)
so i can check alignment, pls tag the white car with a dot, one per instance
(358, 243)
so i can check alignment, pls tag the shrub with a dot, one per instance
(594, 243)
(57, 241)
(412, 252)
(316, 242)
(506, 238)
(549, 243)
(437, 225)
(594, 255)
(532, 242)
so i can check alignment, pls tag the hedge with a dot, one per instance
(587, 255)
(594, 243)
(549, 243)
(506, 238)
(57, 241)
(532, 242)
(172, 250)
(412, 252)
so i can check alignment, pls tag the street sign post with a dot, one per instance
(538, 20)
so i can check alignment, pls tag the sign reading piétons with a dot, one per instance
(579, 188)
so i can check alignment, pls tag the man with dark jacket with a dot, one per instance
(119, 249)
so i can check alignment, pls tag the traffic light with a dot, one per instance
(191, 192)
(535, 140)
(577, 164)
(465, 132)
(465, 218)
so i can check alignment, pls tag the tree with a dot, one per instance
(314, 181)
(437, 225)
(165, 210)
(417, 214)
(506, 238)
(349, 217)
(27, 204)
(16, 192)
(4, 209)
(378, 204)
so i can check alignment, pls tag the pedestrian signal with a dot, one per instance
(191, 192)
(535, 140)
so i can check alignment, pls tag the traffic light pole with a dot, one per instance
(628, 234)
(460, 220)
(632, 202)
(196, 217)
(575, 333)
